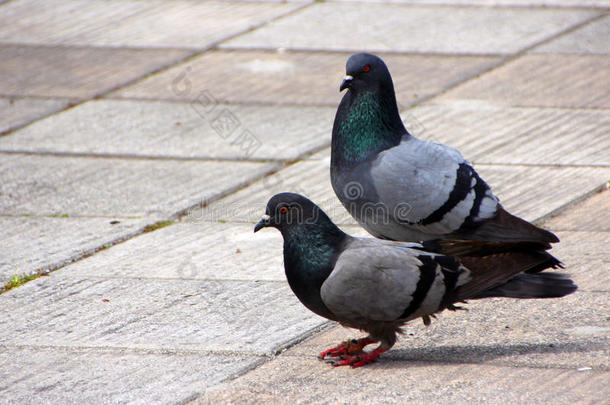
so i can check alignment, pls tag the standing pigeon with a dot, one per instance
(399, 187)
(377, 286)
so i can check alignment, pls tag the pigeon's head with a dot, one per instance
(288, 210)
(365, 72)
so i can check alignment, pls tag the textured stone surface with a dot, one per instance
(169, 314)
(33, 22)
(584, 254)
(512, 3)
(33, 243)
(592, 38)
(43, 375)
(204, 251)
(132, 23)
(290, 380)
(75, 72)
(589, 215)
(15, 112)
(530, 192)
(484, 133)
(568, 81)
(297, 77)
(49, 185)
(220, 316)
(570, 332)
(170, 129)
(383, 27)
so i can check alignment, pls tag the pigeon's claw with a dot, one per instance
(348, 347)
(358, 360)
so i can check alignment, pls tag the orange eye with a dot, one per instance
(366, 68)
(283, 210)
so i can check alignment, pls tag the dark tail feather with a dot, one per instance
(506, 227)
(539, 285)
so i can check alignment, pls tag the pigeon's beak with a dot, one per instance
(347, 82)
(262, 223)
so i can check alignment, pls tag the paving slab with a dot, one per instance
(201, 24)
(271, 77)
(511, 3)
(530, 192)
(34, 243)
(129, 23)
(591, 38)
(184, 130)
(404, 28)
(203, 251)
(49, 25)
(74, 186)
(589, 215)
(76, 72)
(571, 332)
(549, 80)
(584, 254)
(489, 134)
(290, 380)
(15, 112)
(203, 315)
(233, 252)
(35, 375)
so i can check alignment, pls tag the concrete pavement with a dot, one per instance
(139, 142)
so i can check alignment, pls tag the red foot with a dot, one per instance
(347, 347)
(359, 359)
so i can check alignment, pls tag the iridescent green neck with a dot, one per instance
(313, 249)
(365, 125)
(309, 256)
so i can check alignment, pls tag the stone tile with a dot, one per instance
(75, 186)
(533, 192)
(128, 23)
(170, 129)
(185, 24)
(289, 380)
(15, 112)
(592, 38)
(570, 332)
(511, 3)
(589, 215)
(49, 25)
(530, 192)
(484, 133)
(33, 243)
(232, 252)
(584, 254)
(400, 28)
(569, 81)
(36, 375)
(297, 77)
(218, 316)
(310, 178)
(76, 72)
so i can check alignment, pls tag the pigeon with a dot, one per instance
(402, 188)
(377, 285)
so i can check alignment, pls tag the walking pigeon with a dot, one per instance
(377, 285)
(399, 187)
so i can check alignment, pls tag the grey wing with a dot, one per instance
(375, 281)
(430, 187)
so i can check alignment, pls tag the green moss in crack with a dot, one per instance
(157, 225)
(18, 280)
